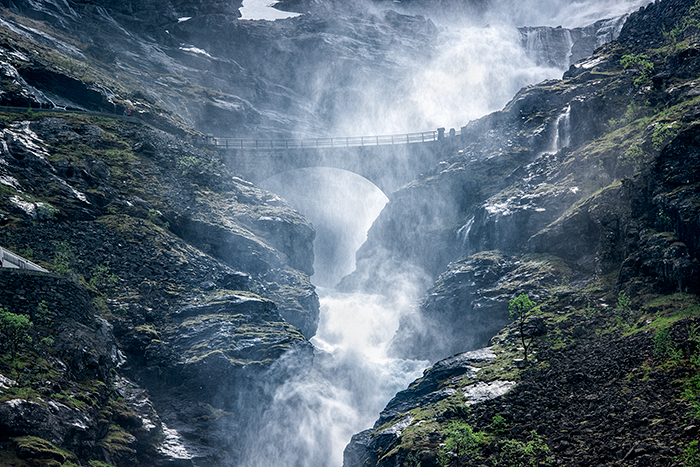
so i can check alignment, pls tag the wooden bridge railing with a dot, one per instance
(336, 142)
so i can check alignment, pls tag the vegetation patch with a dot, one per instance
(117, 440)
(32, 447)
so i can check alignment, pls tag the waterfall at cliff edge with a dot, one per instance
(314, 414)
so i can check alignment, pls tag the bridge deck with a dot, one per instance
(330, 142)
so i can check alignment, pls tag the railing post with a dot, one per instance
(362, 140)
(256, 144)
(392, 140)
(347, 141)
(331, 142)
(377, 140)
(407, 140)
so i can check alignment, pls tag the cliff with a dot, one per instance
(194, 64)
(203, 278)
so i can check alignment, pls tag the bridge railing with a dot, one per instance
(322, 143)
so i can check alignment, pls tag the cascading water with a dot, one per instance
(463, 233)
(561, 133)
(313, 415)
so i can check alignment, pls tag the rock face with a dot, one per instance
(366, 447)
(517, 179)
(203, 277)
(215, 73)
(468, 304)
(561, 47)
(62, 404)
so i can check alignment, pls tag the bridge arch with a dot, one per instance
(389, 167)
(340, 204)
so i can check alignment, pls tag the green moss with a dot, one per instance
(663, 133)
(666, 310)
(117, 440)
(42, 449)
(99, 464)
(218, 294)
(117, 411)
(69, 399)
(213, 414)
(149, 330)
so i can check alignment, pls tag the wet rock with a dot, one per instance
(425, 390)
(468, 304)
(367, 447)
(560, 47)
(480, 392)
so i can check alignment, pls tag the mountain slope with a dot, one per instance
(198, 272)
(582, 194)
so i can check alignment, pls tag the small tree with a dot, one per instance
(16, 328)
(520, 309)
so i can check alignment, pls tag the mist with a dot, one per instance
(476, 67)
(313, 416)
(340, 205)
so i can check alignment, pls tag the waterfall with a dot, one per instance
(314, 414)
(550, 47)
(463, 233)
(561, 132)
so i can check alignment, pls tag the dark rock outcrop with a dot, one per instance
(212, 71)
(64, 404)
(129, 212)
(468, 304)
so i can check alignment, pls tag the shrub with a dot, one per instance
(461, 439)
(643, 64)
(691, 456)
(16, 329)
(688, 27)
(520, 309)
(518, 453)
(63, 258)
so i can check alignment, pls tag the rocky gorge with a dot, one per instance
(179, 307)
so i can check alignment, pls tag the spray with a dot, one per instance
(476, 68)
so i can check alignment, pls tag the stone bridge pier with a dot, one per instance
(389, 167)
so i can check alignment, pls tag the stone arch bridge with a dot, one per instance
(388, 161)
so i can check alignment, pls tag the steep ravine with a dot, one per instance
(174, 328)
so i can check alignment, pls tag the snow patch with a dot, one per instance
(196, 50)
(257, 10)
